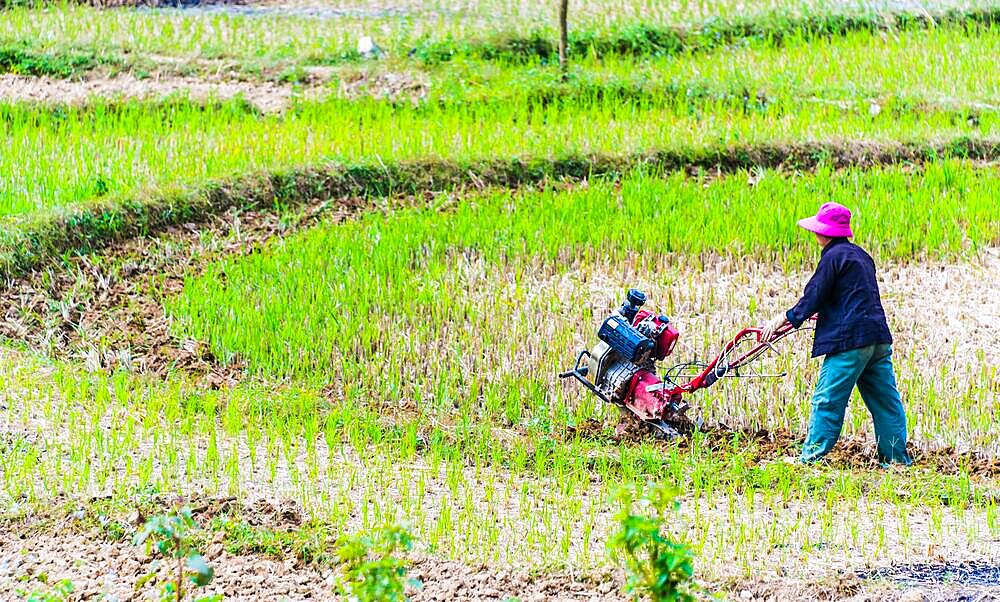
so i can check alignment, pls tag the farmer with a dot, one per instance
(851, 331)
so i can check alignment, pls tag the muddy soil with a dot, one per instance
(55, 548)
(770, 445)
(112, 568)
(69, 547)
(972, 573)
(265, 96)
(850, 588)
(959, 581)
(97, 567)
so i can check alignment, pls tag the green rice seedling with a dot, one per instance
(69, 155)
(462, 445)
(412, 275)
(539, 255)
(896, 73)
(439, 30)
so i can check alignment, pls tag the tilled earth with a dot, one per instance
(970, 573)
(111, 569)
(43, 549)
(115, 298)
(267, 97)
(855, 589)
(108, 570)
(55, 548)
(851, 452)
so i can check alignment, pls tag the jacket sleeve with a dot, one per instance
(817, 289)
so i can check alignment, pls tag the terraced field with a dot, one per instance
(310, 293)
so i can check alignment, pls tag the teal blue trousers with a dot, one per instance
(870, 369)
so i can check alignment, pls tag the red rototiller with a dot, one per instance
(621, 368)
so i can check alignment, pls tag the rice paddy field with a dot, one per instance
(313, 296)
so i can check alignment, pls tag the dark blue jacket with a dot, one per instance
(844, 294)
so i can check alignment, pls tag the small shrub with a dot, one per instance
(657, 567)
(372, 570)
(22, 59)
(172, 536)
(293, 75)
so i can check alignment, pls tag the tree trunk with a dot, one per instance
(563, 63)
(180, 578)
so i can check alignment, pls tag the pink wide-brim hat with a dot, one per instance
(832, 220)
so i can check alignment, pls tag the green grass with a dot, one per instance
(438, 29)
(449, 475)
(82, 154)
(501, 280)
(750, 95)
(948, 66)
(22, 59)
(643, 39)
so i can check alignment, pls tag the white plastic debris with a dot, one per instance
(368, 48)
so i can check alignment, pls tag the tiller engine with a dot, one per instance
(621, 368)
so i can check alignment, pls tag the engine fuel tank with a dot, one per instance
(626, 340)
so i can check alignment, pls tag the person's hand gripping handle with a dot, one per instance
(768, 330)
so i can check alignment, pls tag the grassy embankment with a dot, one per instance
(122, 168)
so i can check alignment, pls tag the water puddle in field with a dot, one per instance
(974, 573)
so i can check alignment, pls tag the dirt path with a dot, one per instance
(53, 548)
(266, 96)
(217, 82)
(98, 567)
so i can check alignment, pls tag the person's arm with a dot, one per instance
(816, 290)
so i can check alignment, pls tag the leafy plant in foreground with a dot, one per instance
(372, 570)
(172, 537)
(59, 591)
(658, 567)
